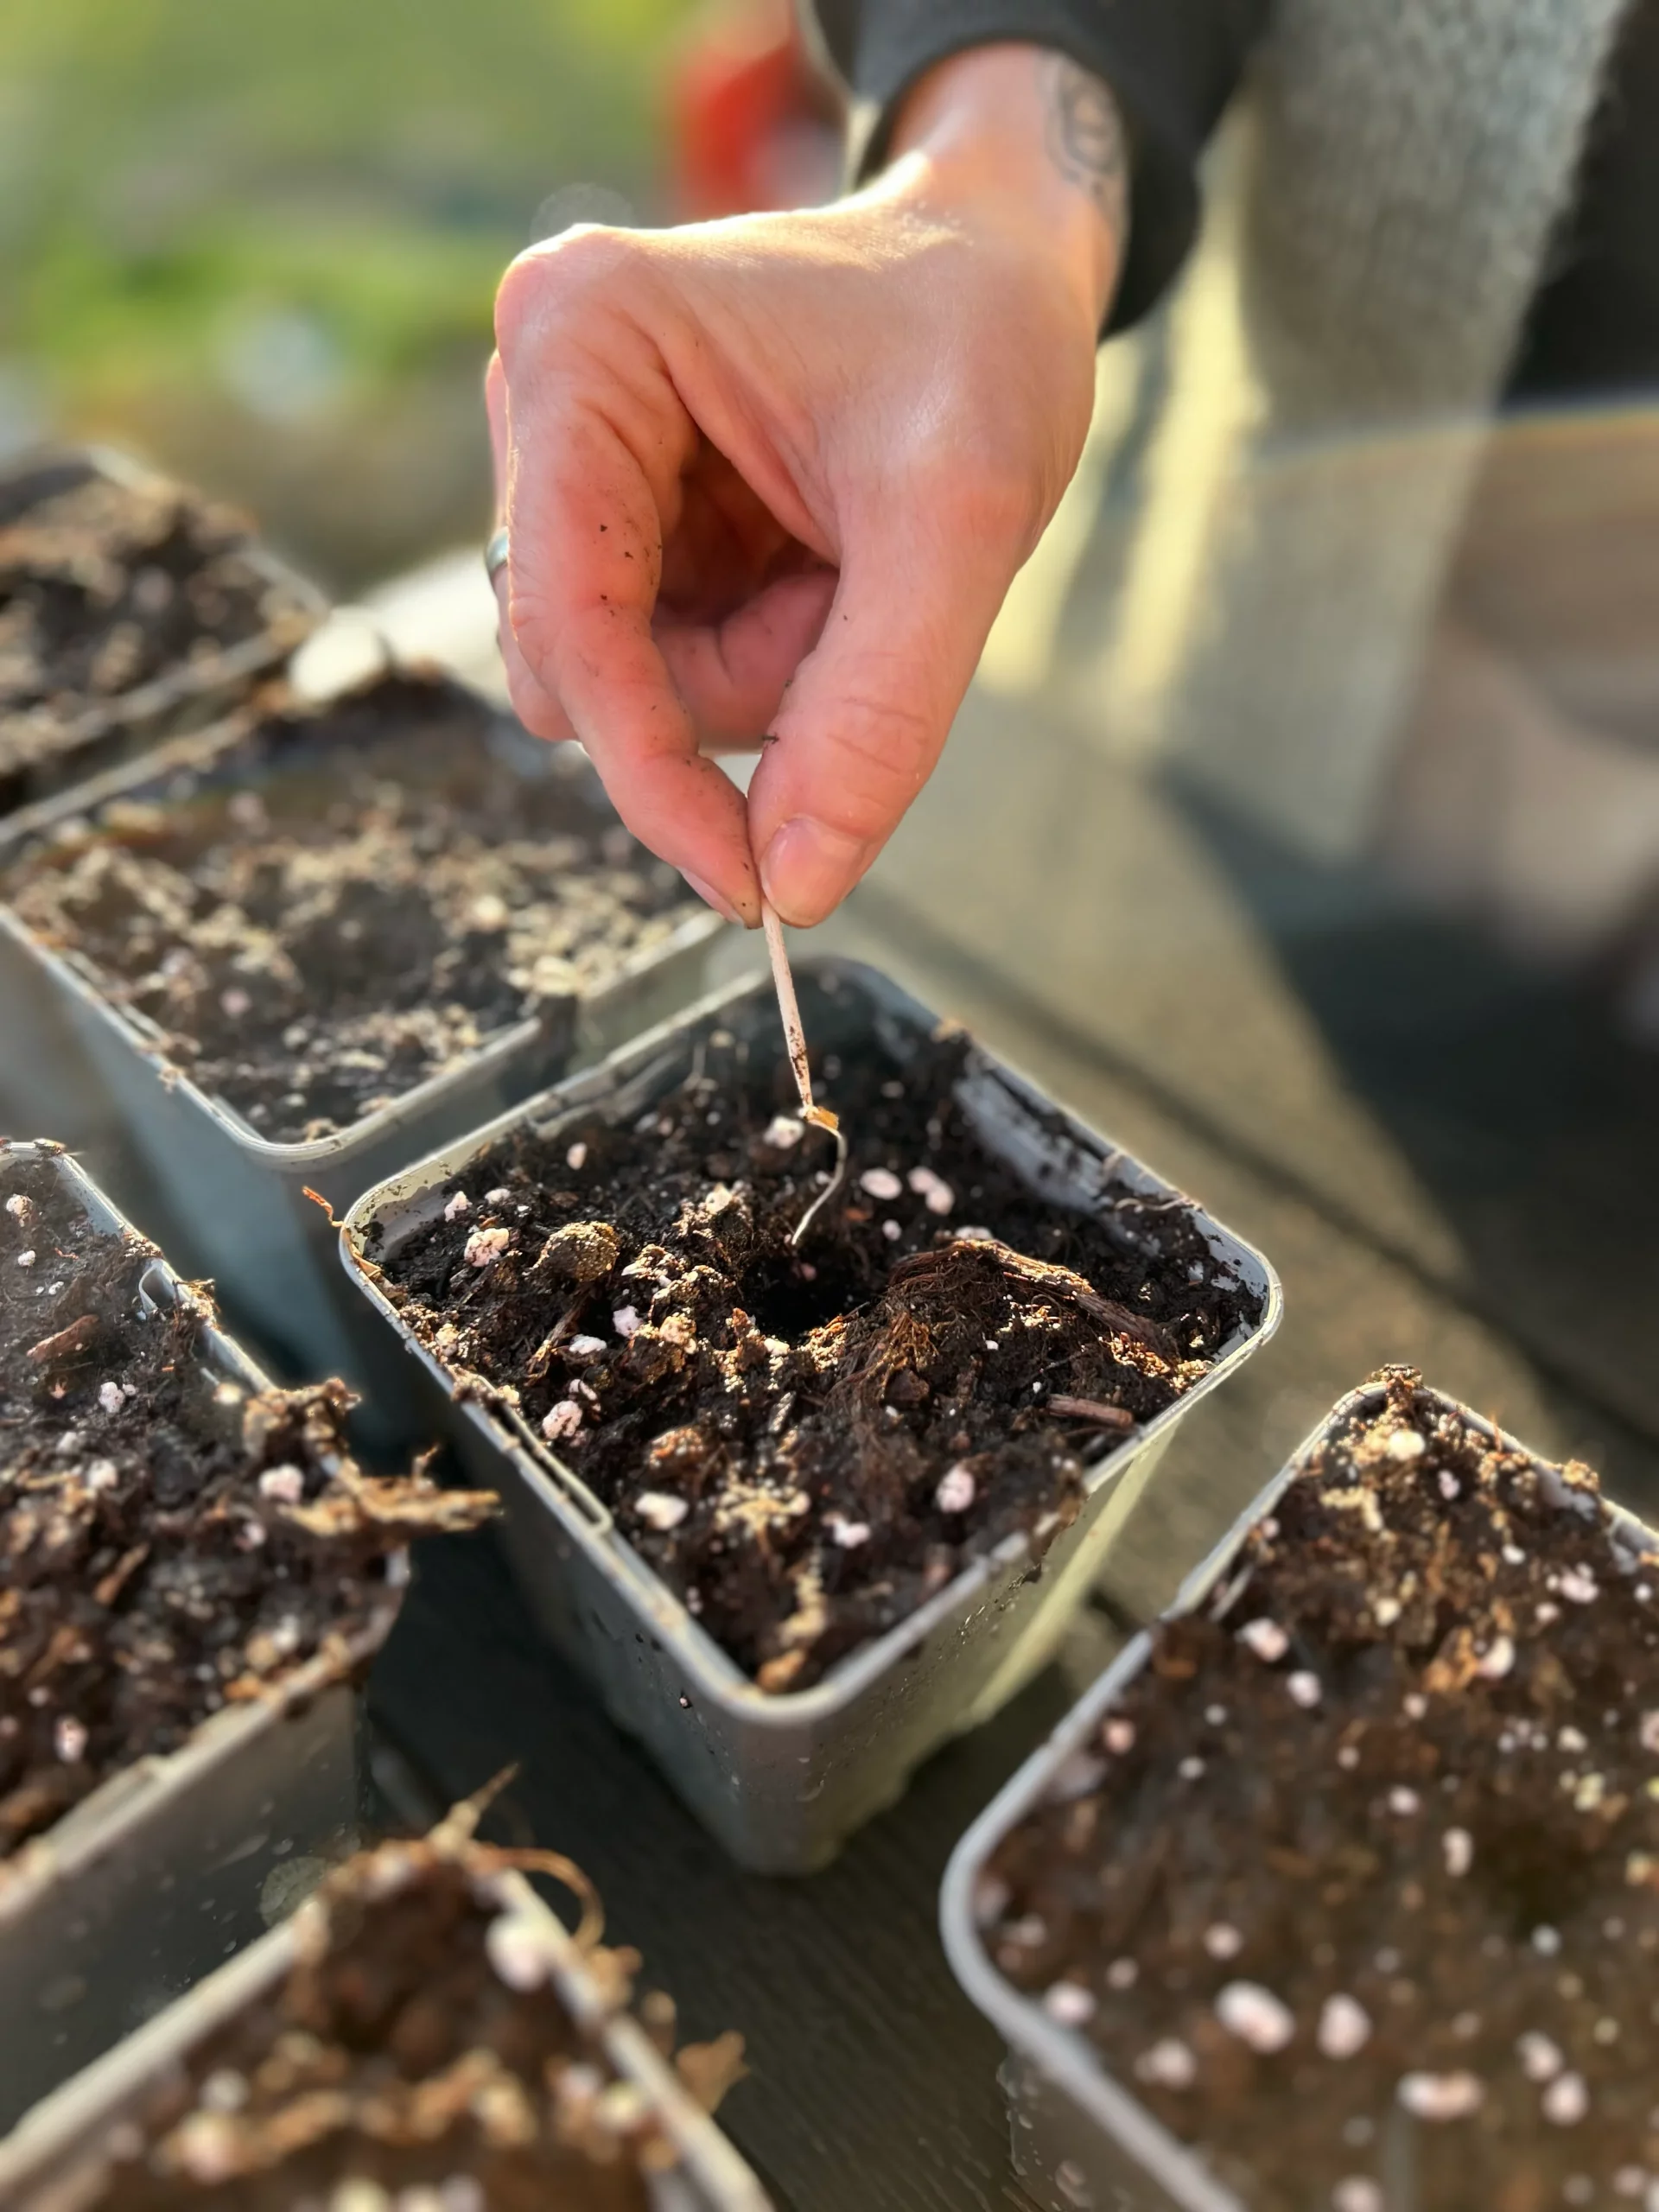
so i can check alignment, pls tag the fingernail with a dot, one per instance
(808, 868)
(710, 897)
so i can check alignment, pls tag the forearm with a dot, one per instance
(1032, 143)
(1172, 65)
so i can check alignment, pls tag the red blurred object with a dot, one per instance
(752, 123)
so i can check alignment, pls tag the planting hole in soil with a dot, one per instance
(418, 2054)
(106, 585)
(806, 1443)
(171, 1542)
(351, 900)
(1355, 1885)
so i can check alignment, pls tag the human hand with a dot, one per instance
(769, 479)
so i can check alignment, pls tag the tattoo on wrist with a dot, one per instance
(1086, 138)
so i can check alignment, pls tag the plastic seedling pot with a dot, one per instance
(1081, 2141)
(175, 1861)
(783, 1779)
(49, 1083)
(108, 730)
(56, 2161)
(45, 1082)
(235, 1202)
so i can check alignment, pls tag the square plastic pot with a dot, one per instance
(53, 2162)
(782, 1781)
(175, 1861)
(234, 1204)
(1081, 2141)
(192, 691)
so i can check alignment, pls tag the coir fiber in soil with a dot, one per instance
(353, 900)
(806, 1444)
(104, 588)
(416, 2057)
(1358, 1888)
(169, 1543)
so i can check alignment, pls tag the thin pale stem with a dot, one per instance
(795, 1039)
(830, 1189)
(789, 1007)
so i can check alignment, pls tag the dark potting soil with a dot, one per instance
(415, 2056)
(105, 587)
(1357, 1888)
(807, 1445)
(352, 899)
(169, 1542)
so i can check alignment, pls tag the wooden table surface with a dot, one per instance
(1449, 1161)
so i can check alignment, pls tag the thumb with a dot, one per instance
(863, 723)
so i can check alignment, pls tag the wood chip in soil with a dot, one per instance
(352, 899)
(170, 1542)
(807, 1445)
(1357, 1886)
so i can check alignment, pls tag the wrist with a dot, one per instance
(1022, 139)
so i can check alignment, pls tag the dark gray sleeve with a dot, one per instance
(1173, 65)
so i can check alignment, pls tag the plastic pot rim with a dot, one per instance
(710, 1671)
(1063, 2056)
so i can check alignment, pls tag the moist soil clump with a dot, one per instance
(1358, 1887)
(170, 1542)
(416, 2046)
(352, 899)
(807, 1444)
(104, 587)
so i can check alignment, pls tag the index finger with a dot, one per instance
(585, 526)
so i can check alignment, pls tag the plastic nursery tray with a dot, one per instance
(52, 2161)
(235, 1202)
(171, 1863)
(110, 730)
(1081, 2141)
(783, 1780)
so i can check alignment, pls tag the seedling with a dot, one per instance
(817, 1116)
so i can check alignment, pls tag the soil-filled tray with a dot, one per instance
(127, 605)
(423, 2033)
(1341, 1889)
(343, 934)
(193, 1575)
(846, 1489)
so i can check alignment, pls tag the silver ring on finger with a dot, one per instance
(495, 553)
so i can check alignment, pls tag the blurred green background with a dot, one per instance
(256, 240)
